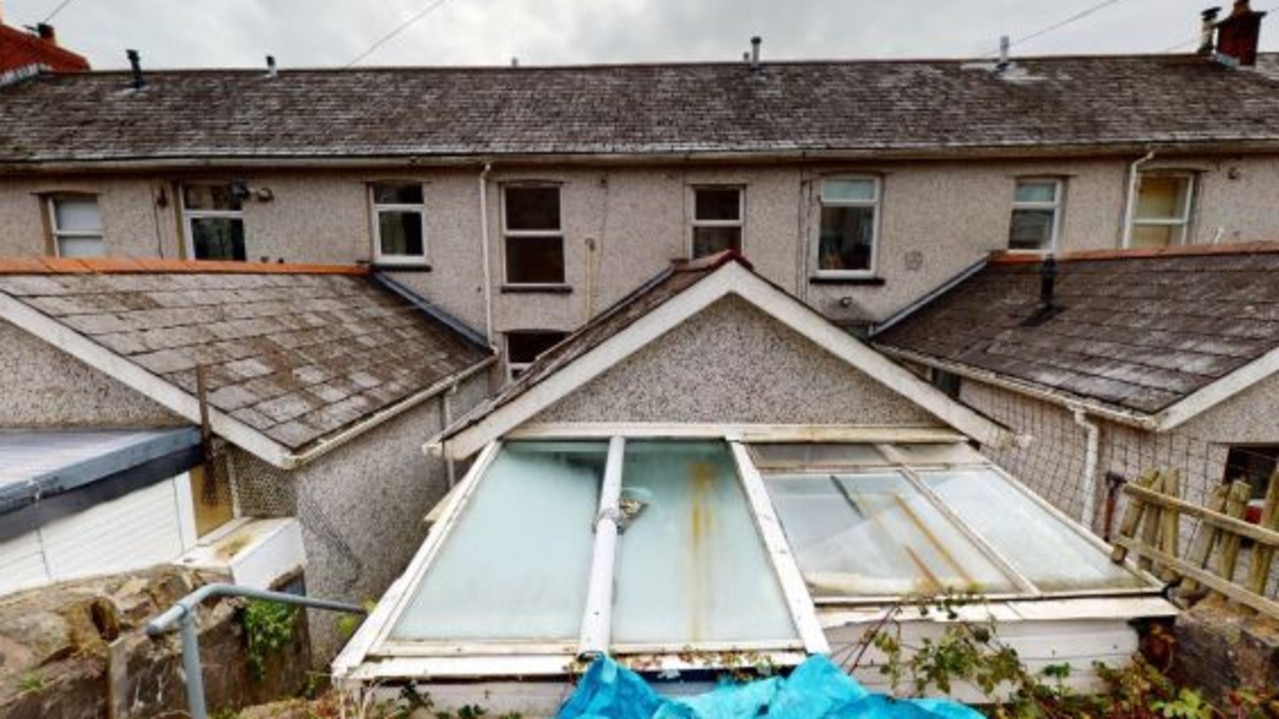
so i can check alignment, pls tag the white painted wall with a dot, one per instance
(146, 527)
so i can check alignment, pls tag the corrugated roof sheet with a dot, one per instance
(907, 105)
(1139, 330)
(295, 354)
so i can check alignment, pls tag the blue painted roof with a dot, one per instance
(36, 464)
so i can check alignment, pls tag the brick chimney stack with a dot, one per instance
(1239, 34)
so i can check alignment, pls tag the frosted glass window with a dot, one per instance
(77, 226)
(876, 535)
(801, 456)
(518, 562)
(691, 567)
(1162, 215)
(1040, 545)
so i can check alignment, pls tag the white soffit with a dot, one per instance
(730, 279)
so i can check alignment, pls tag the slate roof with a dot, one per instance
(295, 352)
(907, 106)
(1138, 330)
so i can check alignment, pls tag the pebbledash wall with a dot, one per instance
(361, 506)
(624, 222)
(731, 363)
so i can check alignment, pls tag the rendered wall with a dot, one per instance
(41, 386)
(733, 364)
(362, 507)
(936, 219)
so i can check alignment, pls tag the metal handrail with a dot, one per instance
(183, 612)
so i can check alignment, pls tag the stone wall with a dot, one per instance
(79, 651)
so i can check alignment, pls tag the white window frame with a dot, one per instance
(380, 257)
(509, 234)
(57, 234)
(188, 239)
(695, 223)
(1059, 187)
(1182, 222)
(876, 204)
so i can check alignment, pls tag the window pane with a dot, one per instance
(218, 238)
(1041, 546)
(718, 204)
(848, 190)
(81, 247)
(400, 233)
(814, 455)
(1162, 198)
(1035, 192)
(1032, 230)
(524, 347)
(533, 208)
(876, 535)
(76, 215)
(535, 260)
(518, 561)
(847, 238)
(397, 194)
(712, 240)
(1155, 235)
(209, 197)
(691, 567)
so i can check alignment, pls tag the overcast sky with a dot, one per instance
(311, 33)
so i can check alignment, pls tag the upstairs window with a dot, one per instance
(849, 226)
(76, 225)
(534, 235)
(717, 220)
(1162, 214)
(1036, 215)
(213, 214)
(399, 213)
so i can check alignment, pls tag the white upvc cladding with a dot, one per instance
(149, 526)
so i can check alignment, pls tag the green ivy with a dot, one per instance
(268, 627)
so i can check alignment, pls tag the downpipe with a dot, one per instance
(1091, 440)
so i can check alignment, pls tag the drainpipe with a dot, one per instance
(484, 239)
(448, 421)
(1092, 435)
(1130, 205)
(597, 620)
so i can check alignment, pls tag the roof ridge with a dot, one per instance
(144, 265)
(1005, 257)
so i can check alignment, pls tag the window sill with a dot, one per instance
(510, 289)
(400, 266)
(865, 281)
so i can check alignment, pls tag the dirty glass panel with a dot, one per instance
(1163, 197)
(938, 453)
(1036, 542)
(517, 564)
(718, 204)
(847, 238)
(400, 232)
(1032, 229)
(802, 456)
(876, 535)
(1043, 191)
(853, 190)
(218, 238)
(713, 240)
(691, 567)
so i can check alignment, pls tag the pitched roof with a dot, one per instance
(906, 106)
(1138, 330)
(296, 354)
(676, 294)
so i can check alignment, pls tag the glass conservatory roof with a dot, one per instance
(668, 545)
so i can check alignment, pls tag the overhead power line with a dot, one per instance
(1061, 23)
(400, 28)
(61, 6)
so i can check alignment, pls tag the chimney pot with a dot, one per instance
(47, 33)
(755, 43)
(1207, 25)
(135, 63)
(271, 70)
(1239, 34)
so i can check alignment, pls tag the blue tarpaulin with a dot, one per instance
(817, 689)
